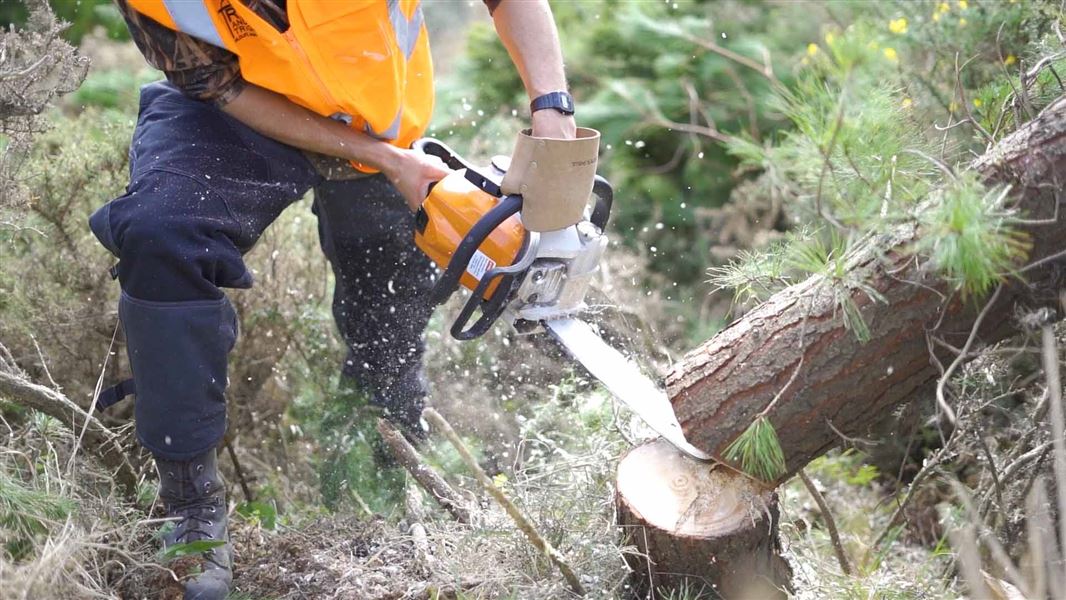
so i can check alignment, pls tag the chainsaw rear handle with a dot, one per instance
(455, 162)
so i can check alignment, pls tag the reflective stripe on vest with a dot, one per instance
(389, 134)
(192, 17)
(407, 30)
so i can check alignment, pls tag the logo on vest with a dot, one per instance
(238, 28)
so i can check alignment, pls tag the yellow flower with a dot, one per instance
(1010, 60)
(963, 22)
(952, 107)
(898, 26)
(812, 49)
(977, 102)
(943, 8)
(890, 54)
(936, 17)
(907, 102)
(963, 4)
(830, 38)
(499, 480)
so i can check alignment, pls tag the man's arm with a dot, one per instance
(276, 117)
(213, 75)
(527, 29)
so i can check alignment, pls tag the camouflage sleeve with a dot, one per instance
(199, 69)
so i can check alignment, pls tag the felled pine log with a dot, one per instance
(716, 529)
(832, 386)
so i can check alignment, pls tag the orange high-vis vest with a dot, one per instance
(363, 62)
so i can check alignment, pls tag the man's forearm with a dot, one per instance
(527, 29)
(278, 118)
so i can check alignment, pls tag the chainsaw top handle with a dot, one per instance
(601, 188)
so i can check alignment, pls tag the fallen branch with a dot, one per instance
(1050, 358)
(19, 389)
(830, 522)
(430, 480)
(516, 515)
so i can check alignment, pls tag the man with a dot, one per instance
(266, 99)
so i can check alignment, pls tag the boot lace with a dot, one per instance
(195, 518)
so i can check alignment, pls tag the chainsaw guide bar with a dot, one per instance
(623, 378)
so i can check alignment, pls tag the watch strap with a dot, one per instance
(560, 101)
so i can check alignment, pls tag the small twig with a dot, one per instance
(830, 522)
(248, 495)
(409, 458)
(999, 555)
(942, 383)
(359, 501)
(765, 69)
(17, 388)
(516, 515)
(965, 104)
(992, 470)
(838, 123)
(927, 469)
(1054, 384)
(943, 166)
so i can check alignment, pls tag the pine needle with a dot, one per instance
(757, 451)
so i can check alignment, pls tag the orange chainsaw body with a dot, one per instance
(453, 207)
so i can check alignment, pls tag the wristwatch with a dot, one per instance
(560, 101)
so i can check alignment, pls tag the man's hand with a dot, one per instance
(549, 123)
(411, 172)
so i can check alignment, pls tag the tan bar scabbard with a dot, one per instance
(554, 177)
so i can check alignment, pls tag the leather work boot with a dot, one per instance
(194, 496)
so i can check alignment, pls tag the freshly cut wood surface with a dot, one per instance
(698, 527)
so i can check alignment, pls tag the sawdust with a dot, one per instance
(333, 557)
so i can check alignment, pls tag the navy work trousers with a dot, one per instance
(203, 188)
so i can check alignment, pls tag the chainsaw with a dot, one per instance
(535, 281)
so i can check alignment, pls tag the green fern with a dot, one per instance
(757, 451)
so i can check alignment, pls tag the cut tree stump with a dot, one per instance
(844, 387)
(698, 528)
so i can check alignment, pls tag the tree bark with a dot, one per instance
(843, 386)
(701, 531)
